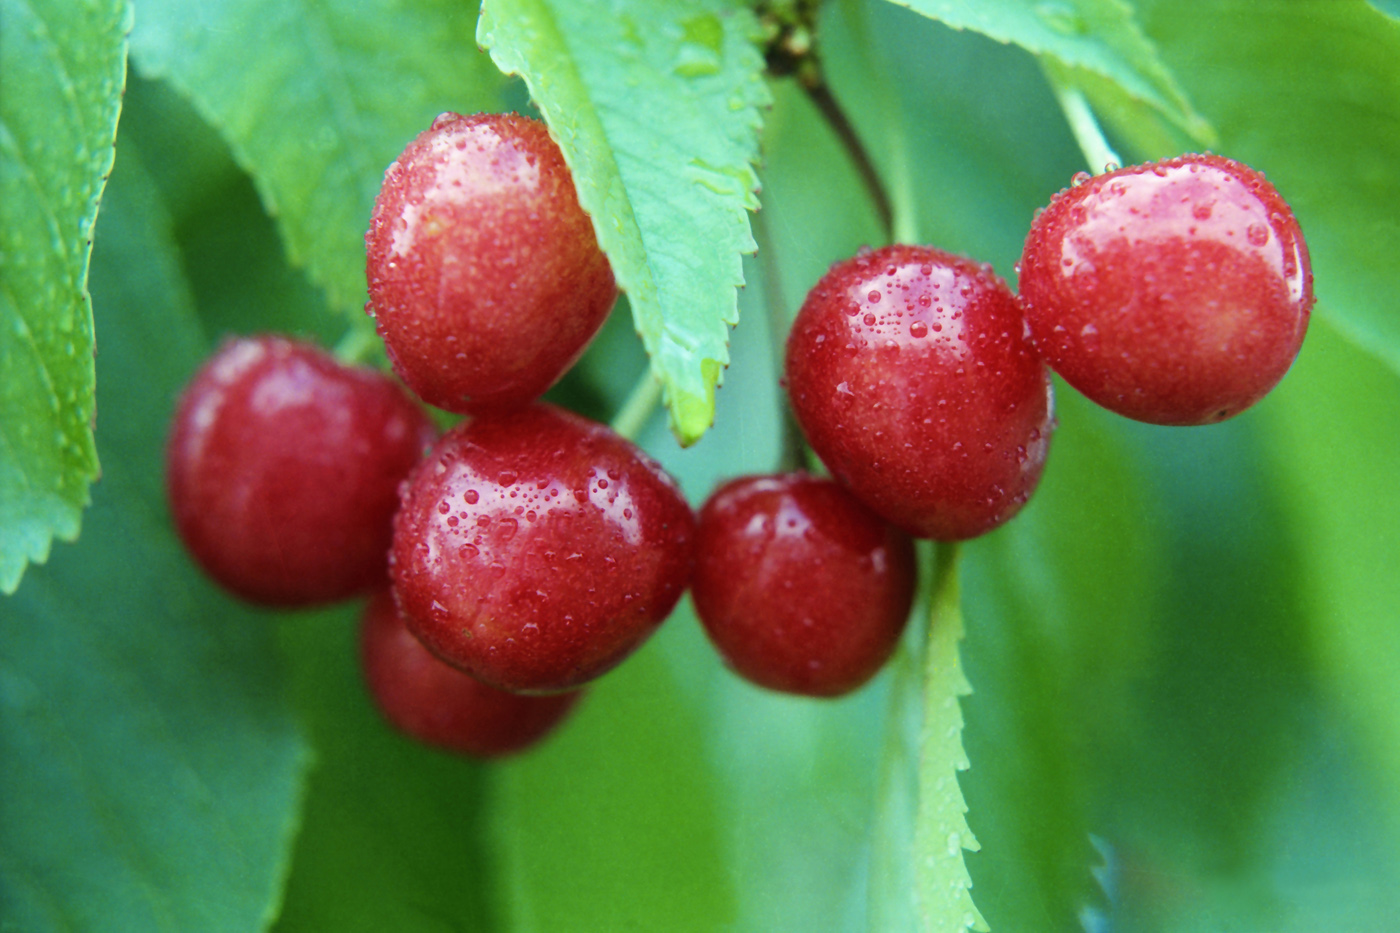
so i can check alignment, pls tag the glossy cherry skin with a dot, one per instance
(800, 587)
(1176, 292)
(910, 374)
(283, 467)
(442, 706)
(485, 276)
(537, 549)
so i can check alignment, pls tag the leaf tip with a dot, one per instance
(692, 413)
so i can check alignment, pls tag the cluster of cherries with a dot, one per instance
(530, 550)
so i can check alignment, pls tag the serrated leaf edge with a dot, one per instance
(941, 833)
(35, 549)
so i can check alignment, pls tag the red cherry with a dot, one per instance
(800, 587)
(485, 276)
(910, 374)
(1175, 292)
(283, 467)
(535, 550)
(442, 706)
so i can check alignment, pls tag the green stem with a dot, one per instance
(641, 403)
(1085, 127)
(905, 228)
(791, 444)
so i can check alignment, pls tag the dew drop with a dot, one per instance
(1258, 234)
(1079, 178)
(918, 329)
(873, 297)
(870, 320)
(470, 497)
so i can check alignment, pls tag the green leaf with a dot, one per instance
(617, 822)
(392, 836)
(942, 833)
(656, 107)
(1096, 45)
(1058, 608)
(1388, 7)
(233, 257)
(152, 768)
(62, 65)
(1333, 425)
(315, 100)
(1310, 94)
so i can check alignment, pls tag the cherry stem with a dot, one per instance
(356, 346)
(791, 444)
(637, 410)
(1085, 127)
(831, 111)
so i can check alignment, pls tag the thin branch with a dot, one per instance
(835, 117)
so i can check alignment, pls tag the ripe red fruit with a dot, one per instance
(440, 705)
(537, 549)
(909, 372)
(1174, 293)
(283, 467)
(800, 587)
(485, 276)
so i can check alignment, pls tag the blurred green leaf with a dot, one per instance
(1096, 45)
(392, 834)
(1057, 605)
(1309, 92)
(61, 66)
(617, 822)
(1332, 429)
(656, 108)
(152, 768)
(1229, 634)
(232, 256)
(315, 100)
